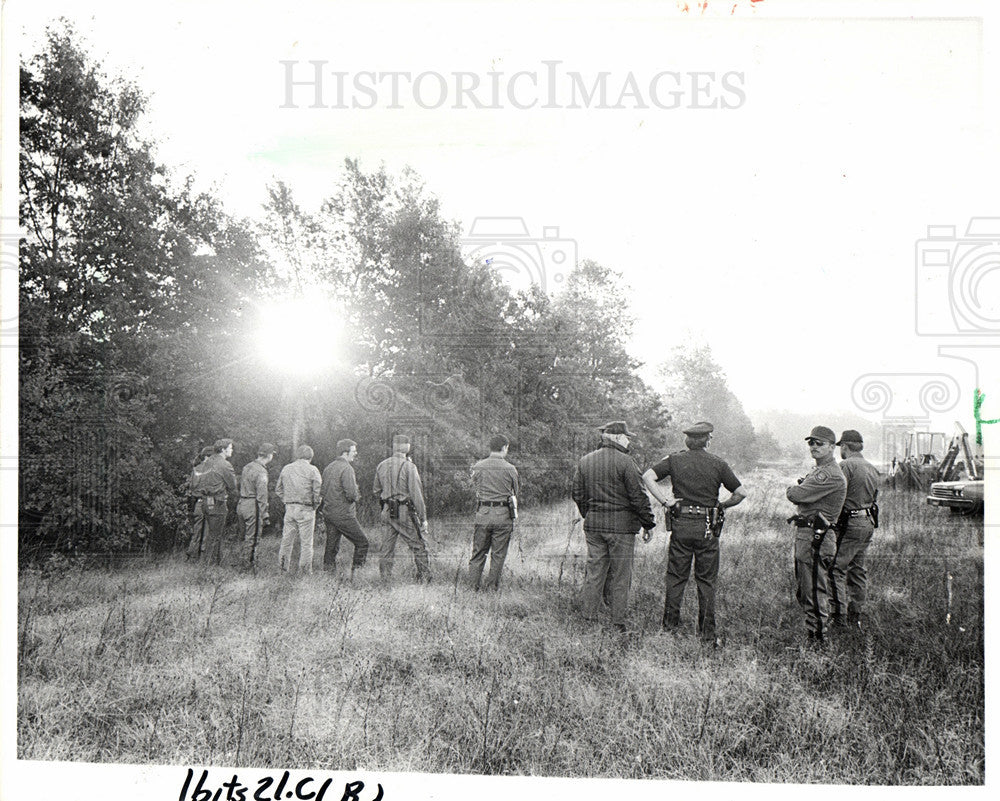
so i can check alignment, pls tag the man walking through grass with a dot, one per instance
(340, 509)
(496, 483)
(404, 514)
(696, 477)
(819, 496)
(848, 578)
(607, 489)
(298, 486)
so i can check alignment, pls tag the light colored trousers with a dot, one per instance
(301, 521)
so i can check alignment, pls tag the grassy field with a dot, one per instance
(165, 662)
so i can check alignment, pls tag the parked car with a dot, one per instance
(964, 496)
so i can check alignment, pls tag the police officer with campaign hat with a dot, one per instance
(607, 489)
(695, 521)
(858, 519)
(819, 496)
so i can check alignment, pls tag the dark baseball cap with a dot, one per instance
(617, 427)
(824, 433)
(266, 449)
(850, 435)
(699, 429)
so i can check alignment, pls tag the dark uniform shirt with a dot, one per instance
(862, 481)
(696, 476)
(398, 476)
(340, 489)
(495, 479)
(213, 478)
(253, 484)
(607, 489)
(822, 490)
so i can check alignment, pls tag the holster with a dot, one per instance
(717, 518)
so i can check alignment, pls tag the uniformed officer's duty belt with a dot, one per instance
(699, 510)
(493, 503)
(857, 512)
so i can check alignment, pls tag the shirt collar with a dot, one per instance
(825, 461)
(609, 444)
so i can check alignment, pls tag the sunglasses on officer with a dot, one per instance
(812, 443)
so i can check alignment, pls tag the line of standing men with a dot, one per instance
(841, 498)
(611, 495)
(831, 580)
(304, 492)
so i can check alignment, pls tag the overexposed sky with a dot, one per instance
(781, 232)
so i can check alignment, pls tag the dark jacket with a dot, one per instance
(340, 490)
(607, 489)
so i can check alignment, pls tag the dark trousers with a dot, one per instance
(688, 542)
(489, 539)
(348, 527)
(609, 573)
(207, 529)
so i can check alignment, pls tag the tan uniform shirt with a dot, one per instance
(253, 485)
(862, 481)
(822, 490)
(494, 479)
(398, 476)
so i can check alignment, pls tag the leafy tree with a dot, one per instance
(696, 389)
(127, 285)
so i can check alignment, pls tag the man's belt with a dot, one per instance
(857, 512)
(300, 503)
(493, 503)
(693, 508)
(248, 497)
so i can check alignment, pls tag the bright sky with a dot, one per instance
(781, 232)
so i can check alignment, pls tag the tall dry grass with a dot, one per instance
(165, 662)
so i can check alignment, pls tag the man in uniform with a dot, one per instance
(340, 496)
(695, 476)
(214, 482)
(848, 579)
(251, 509)
(496, 483)
(188, 491)
(607, 489)
(298, 486)
(398, 489)
(819, 496)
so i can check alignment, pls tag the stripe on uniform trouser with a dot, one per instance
(815, 580)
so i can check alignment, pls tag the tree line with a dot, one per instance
(141, 298)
